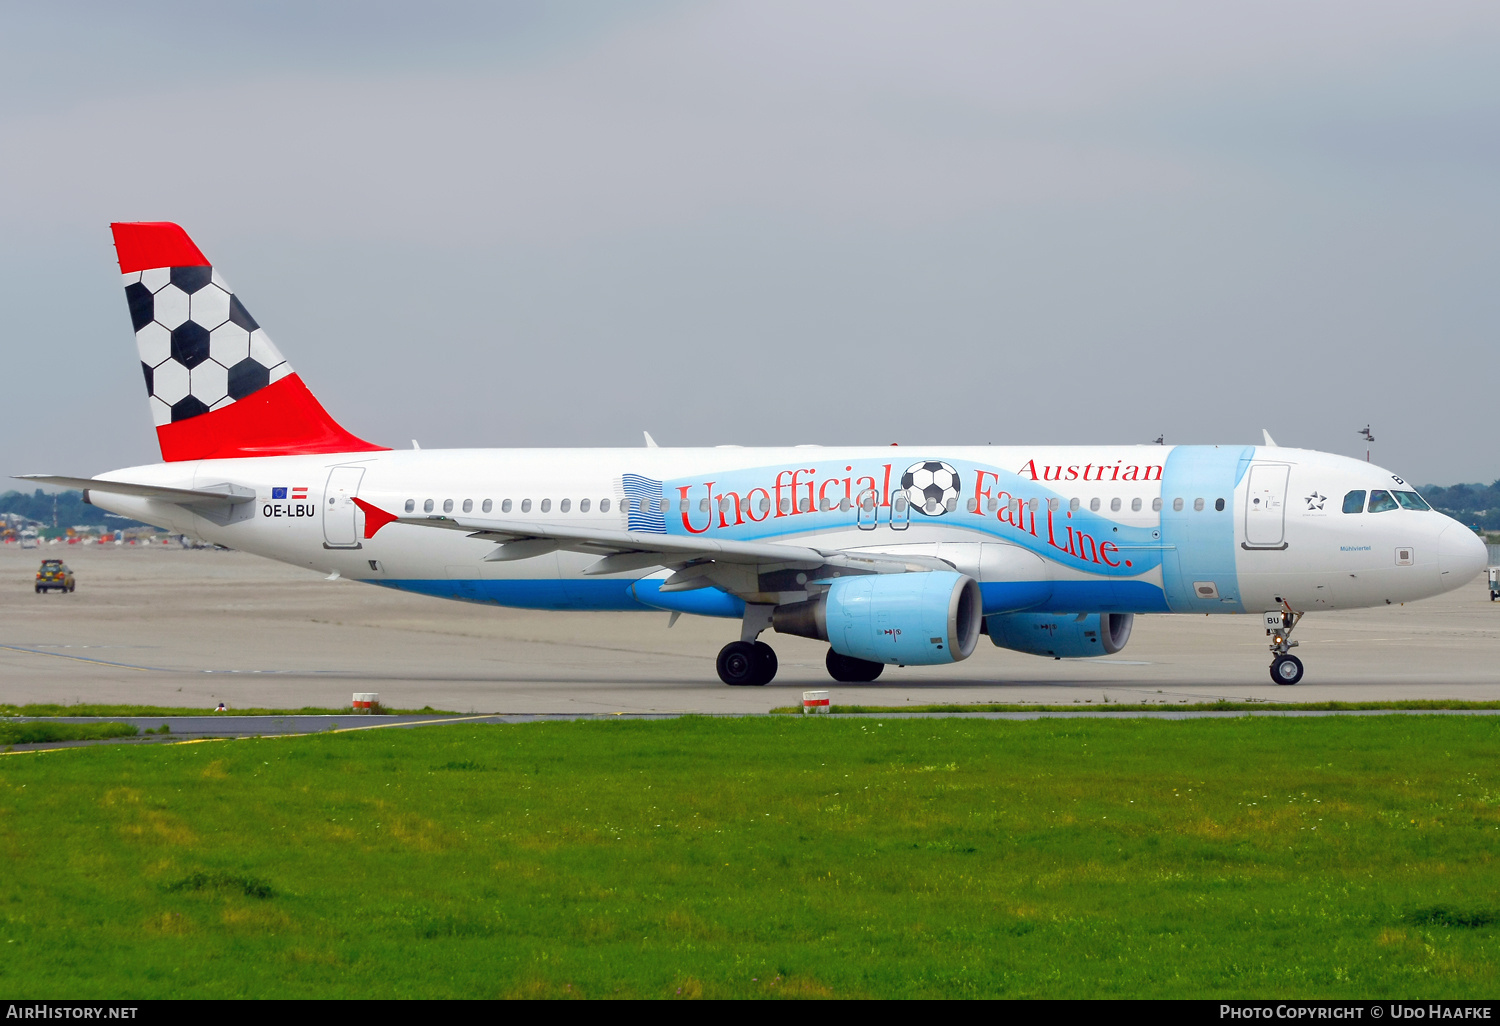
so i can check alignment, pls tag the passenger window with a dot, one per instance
(805, 507)
(583, 505)
(682, 506)
(525, 505)
(1197, 505)
(546, 505)
(1381, 501)
(1094, 504)
(1219, 505)
(1176, 505)
(566, 505)
(1354, 502)
(489, 504)
(1114, 505)
(1411, 500)
(952, 504)
(1052, 504)
(427, 506)
(1156, 504)
(1073, 504)
(505, 506)
(765, 505)
(447, 505)
(1035, 504)
(1135, 505)
(603, 505)
(702, 505)
(411, 505)
(468, 505)
(663, 506)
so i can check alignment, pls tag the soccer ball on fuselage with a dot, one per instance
(931, 486)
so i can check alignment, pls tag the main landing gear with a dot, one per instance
(1285, 668)
(849, 670)
(747, 663)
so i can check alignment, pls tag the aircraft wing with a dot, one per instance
(622, 551)
(214, 495)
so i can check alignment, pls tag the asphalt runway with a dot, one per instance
(195, 627)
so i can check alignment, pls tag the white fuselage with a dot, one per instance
(1053, 529)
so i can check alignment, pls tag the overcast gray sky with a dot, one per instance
(767, 222)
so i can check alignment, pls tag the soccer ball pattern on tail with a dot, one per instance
(200, 348)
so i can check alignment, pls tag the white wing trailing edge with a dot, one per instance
(696, 559)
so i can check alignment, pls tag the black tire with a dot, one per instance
(739, 664)
(40, 589)
(1286, 669)
(849, 670)
(768, 663)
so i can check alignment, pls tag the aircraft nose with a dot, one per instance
(1461, 555)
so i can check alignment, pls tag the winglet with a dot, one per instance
(1269, 440)
(375, 517)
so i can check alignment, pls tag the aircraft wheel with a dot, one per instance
(849, 670)
(768, 662)
(1286, 669)
(740, 664)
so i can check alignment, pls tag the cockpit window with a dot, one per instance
(1380, 501)
(1411, 500)
(1354, 502)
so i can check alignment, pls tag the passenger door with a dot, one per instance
(340, 527)
(1265, 506)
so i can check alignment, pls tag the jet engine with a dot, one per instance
(1061, 636)
(913, 619)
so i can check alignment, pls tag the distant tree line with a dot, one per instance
(1477, 505)
(71, 510)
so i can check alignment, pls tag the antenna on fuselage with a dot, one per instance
(1364, 433)
(1270, 442)
(650, 442)
(1161, 439)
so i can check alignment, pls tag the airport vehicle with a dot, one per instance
(1494, 576)
(893, 555)
(54, 575)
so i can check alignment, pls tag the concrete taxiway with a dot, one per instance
(196, 627)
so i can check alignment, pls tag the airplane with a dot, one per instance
(892, 555)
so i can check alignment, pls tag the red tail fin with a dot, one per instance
(218, 387)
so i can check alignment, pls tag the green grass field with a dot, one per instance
(1175, 705)
(169, 710)
(32, 732)
(1327, 857)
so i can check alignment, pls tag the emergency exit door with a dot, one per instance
(1265, 506)
(340, 527)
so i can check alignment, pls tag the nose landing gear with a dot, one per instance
(1285, 668)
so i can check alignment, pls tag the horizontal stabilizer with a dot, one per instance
(216, 495)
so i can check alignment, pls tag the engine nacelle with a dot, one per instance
(1063, 636)
(915, 619)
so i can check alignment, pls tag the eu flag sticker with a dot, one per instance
(278, 493)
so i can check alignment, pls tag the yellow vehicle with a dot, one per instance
(54, 575)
